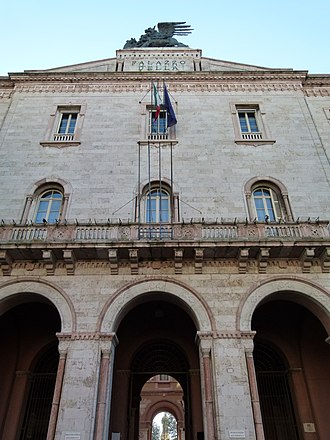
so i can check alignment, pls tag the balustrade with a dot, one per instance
(178, 231)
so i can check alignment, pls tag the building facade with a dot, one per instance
(131, 249)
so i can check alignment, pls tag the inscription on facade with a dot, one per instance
(237, 433)
(157, 65)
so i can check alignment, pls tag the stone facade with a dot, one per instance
(230, 283)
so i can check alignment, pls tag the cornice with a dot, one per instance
(143, 87)
(317, 85)
(273, 81)
(225, 76)
(6, 87)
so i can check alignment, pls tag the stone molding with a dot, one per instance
(87, 336)
(207, 86)
(223, 334)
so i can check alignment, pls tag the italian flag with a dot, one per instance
(157, 101)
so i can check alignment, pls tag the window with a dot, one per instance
(267, 200)
(64, 126)
(47, 201)
(67, 125)
(157, 127)
(164, 377)
(249, 124)
(49, 207)
(157, 206)
(266, 204)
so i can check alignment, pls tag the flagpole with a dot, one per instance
(139, 191)
(160, 188)
(172, 198)
(149, 211)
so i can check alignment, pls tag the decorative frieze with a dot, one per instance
(178, 257)
(199, 260)
(325, 260)
(243, 260)
(50, 261)
(6, 263)
(83, 336)
(307, 258)
(70, 261)
(132, 88)
(263, 259)
(134, 260)
(113, 258)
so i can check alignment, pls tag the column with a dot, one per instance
(108, 345)
(58, 390)
(304, 409)
(287, 206)
(205, 355)
(27, 208)
(254, 391)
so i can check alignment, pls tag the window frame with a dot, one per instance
(173, 203)
(252, 138)
(270, 205)
(154, 197)
(49, 203)
(40, 188)
(279, 197)
(169, 133)
(53, 137)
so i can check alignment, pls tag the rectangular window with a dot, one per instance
(67, 123)
(249, 124)
(64, 126)
(248, 121)
(157, 127)
(67, 126)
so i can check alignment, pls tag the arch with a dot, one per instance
(39, 187)
(164, 406)
(255, 180)
(20, 291)
(127, 297)
(35, 187)
(279, 203)
(143, 187)
(313, 297)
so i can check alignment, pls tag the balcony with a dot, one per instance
(58, 137)
(252, 136)
(196, 241)
(158, 136)
(188, 230)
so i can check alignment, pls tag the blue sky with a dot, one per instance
(41, 34)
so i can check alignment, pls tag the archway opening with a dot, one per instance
(161, 408)
(165, 427)
(156, 338)
(292, 362)
(29, 360)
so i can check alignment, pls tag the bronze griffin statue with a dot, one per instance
(161, 38)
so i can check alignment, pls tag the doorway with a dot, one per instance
(156, 338)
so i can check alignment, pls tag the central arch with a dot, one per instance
(125, 298)
(156, 324)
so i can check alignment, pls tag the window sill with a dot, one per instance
(60, 144)
(158, 142)
(254, 142)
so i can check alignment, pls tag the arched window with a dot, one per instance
(47, 201)
(267, 200)
(266, 204)
(49, 207)
(157, 206)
